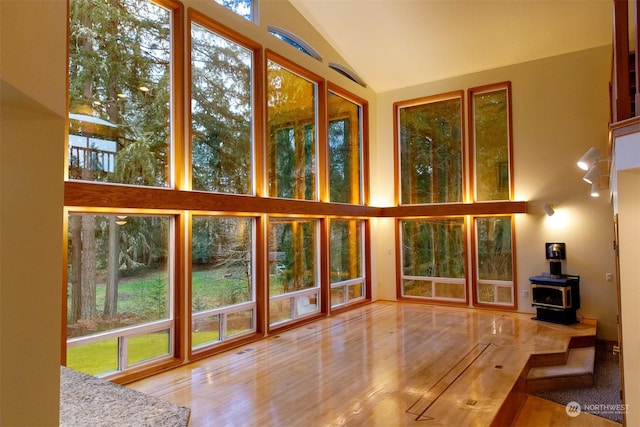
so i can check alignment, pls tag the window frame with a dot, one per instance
(320, 120)
(257, 73)
(513, 284)
(397, 106)
(175, 355)
(432, 279)
(363, 133)
(471, 93)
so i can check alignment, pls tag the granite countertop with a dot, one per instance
(89, 401)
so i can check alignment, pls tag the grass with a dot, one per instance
(143, 298)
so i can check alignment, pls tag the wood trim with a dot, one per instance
(113, 196)
(622, 99)
(456, 209)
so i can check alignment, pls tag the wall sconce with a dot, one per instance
(598, 186)
(548, 208)
(589, 158)
(595, 175)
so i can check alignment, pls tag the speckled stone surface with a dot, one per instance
(89, 401)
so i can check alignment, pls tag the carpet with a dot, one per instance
(90, 401)
(603, 398)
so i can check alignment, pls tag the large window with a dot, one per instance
(119, 291)
(294, 282)
(213, 234)
(430, 149)
(494, 263)
(347, 261)
(222, 113)
(222, 282)
(434, 163)
(491, 141)
(120, 88)
(433, 259)
(345, 150)
(292, 144)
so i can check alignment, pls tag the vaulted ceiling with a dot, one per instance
(399, 43)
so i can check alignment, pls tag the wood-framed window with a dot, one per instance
(347, 261)
(494, 262)
(429, 144)
(433, 259)
(199, 166)
(490, 142)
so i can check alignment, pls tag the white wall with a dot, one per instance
(560, 109)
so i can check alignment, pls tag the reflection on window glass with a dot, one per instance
(433, 249)
(222, 290)
(430, 143)
(118, 278)
(119, 92)
(492, 145)
(345, 142)
(494, 260)
(243, 8)
(291, 150)
(221, 111)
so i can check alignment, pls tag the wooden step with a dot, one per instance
(576, 372)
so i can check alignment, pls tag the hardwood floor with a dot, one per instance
(386, 364)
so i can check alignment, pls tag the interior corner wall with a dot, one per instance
(32, 134)
(560, 108)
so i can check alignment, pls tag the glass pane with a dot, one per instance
(337, 296)
(148, 346)
(356, 291)
(241, 7)
(495, 259)
(239, 322)
(491, 136)
(504, 295)
(280, 310)
(221, 258)
(293, 257)
(486, 292)
(120, 92)
(205, 330)
(94, 359)
(433, 248)
(119, 274)
(430, 140)
(291, 150)
(222, 114)
(307, 304)
(450, 290)
(344, 151)
(417, 288)
(346, 250)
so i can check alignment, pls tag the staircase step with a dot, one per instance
(577, 372)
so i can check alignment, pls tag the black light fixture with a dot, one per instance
(555, 253)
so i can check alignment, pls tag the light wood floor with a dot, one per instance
(386, 364)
